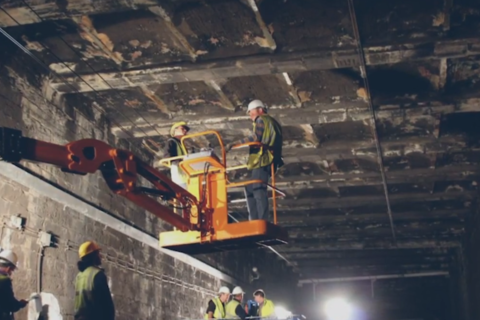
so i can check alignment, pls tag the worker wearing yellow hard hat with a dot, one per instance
(8, 303)
(93, 300)
(175, 149)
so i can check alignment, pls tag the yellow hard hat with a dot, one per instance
(87, 248)
(176, 125)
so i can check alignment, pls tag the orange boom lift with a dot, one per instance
(203, 226)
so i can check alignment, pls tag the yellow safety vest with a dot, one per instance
(267, 309)
(230, 309)
(180, 149)
(219, 309)
(84, 304)
(177, 174)
(272, 140)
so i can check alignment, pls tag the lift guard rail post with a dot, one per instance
(274, 189)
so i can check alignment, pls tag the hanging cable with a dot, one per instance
(86, 62)
(363, 70)
(28, 52)
(8, 36)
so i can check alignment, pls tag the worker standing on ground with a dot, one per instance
(234, 309)
(269, 132)
(93, 300)
(216, 306)
(175, 149)
(8, 303)
(266, 308)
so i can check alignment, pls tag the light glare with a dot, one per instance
(338, 309)
(282, 313)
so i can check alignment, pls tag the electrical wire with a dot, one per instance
(116, 261)
(29, 53)
(363, 70)
(86, 62)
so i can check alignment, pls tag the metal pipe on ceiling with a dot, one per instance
(375, 278)
(363, 70)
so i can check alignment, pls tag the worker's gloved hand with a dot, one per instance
(23, 303)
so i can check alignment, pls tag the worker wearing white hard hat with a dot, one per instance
(216, 306)
(8, 303)
(269, 132)
(266, 308)
(234, 308)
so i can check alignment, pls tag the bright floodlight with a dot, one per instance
(282, 313)
(338, 309)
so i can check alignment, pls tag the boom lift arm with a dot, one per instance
(120, 169)
(203, 226)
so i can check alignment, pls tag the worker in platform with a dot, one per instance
(266, 308)
(8, 303)
(174, 149)
(234, 308)
(216, 306)
(269, 132)
(93, 300)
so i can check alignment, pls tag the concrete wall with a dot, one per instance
(145, 283)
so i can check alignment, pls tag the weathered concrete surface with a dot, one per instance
(144, 65)
(264, 65)
(144, 283)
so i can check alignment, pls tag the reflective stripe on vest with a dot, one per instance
(272, 137)
(83, 291)
(230, 309)
(219, 309)
(267, 309)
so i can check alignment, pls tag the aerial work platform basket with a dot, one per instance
(202, 226)
(207, 180)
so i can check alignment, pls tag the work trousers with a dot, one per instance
(178, 177)
(257, 195)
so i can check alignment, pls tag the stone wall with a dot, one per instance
(145, 283)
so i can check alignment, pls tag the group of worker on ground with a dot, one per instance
(221, 308)
(93, 300)
(267, 131)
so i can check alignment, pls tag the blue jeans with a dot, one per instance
(257, 195)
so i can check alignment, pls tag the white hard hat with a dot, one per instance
(256, 104)
(237, 290)
(224, 290)
(258, 291)
(9, 256)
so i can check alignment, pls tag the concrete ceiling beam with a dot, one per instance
(268, 64)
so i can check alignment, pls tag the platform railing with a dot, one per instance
(167, 162)
(272, 186)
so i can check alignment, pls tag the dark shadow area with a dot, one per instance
(393, 83)
(466, 124)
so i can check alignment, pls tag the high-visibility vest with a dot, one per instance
(84, 304)
(219, 309)
(178, 145)
(271, 139)
(230, 309)
(267, 309)
(177, 174)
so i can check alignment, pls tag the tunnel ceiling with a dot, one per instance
(150, 63)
